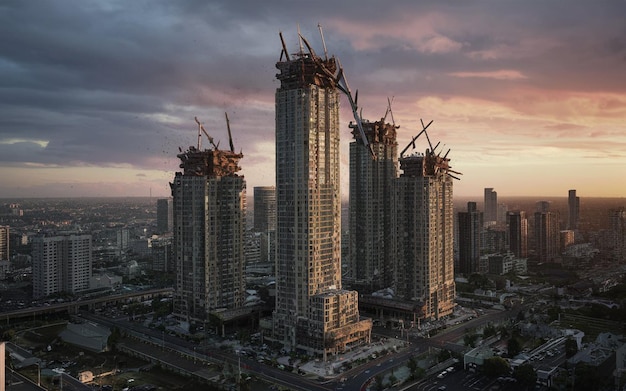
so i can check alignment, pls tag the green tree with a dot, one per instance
(496, 366)
(443, 355)
(489, 331)
(514, 346)
(114, 338)
(525, 375)
(470, 340)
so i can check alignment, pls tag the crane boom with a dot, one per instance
(230, 137)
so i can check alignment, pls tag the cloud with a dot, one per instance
(115, 85)
(503, 74)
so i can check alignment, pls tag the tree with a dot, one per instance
(525, 374)
(470, 340)
(489, 331)
(496, 366)
(514, 346)
(443, 355)
(587, 378)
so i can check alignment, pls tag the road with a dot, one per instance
(356, 378)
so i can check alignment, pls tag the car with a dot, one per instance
(441, 388)
(441, 375)
(450, 369)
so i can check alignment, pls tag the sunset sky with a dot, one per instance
(97, 97)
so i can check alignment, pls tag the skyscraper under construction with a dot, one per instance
(209, 202)
(372, 204)
(313, 313)
(425, 234)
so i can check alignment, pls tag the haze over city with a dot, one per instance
(96, 98)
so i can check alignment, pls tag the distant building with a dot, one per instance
(566, 239)
(547, 238)
(494, 239)
(470, 227)
(425, 234)
(491, 206)
(164, 215)
(517, 233)
(372, 204)
(123, 240)
(265, 223)
(617, 229)
(264, 208)
(61, 264)
(505, 263)
(162, 254)
(573, 206)
(4, 243)
(501, 214)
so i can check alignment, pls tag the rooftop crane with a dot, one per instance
(342, 84)
(201, 128)
(230, 137)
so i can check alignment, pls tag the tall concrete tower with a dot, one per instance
(517, 233)
(372, 204)
(470, 227)
(491, 206)
(573, 204)
(209, 205)
(312, 312)
(547, 238)
(4, 243)
(426, 233)
(164, 215)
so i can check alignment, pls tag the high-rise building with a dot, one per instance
(617, 229)
(4, 243)
(372, 204)
(61, 264)
(470, 227)
(547, 236)
(313, 313)
(517, 233)
(491, 206)
(265, 222)
(573, 207)
(264, 208)
(164, 215)
(209, 206)
(426, 234)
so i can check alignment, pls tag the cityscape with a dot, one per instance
(354, 265)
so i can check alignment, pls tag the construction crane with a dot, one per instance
(230, 137)
(412, 142)
(201, 128)
(342, 84)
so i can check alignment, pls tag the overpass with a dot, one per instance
(73, 307)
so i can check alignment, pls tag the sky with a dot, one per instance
(97, 97)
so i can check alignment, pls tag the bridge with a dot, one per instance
(73, 307)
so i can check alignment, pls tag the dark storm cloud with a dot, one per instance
(119, 82)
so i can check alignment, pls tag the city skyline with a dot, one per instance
(96, 99)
